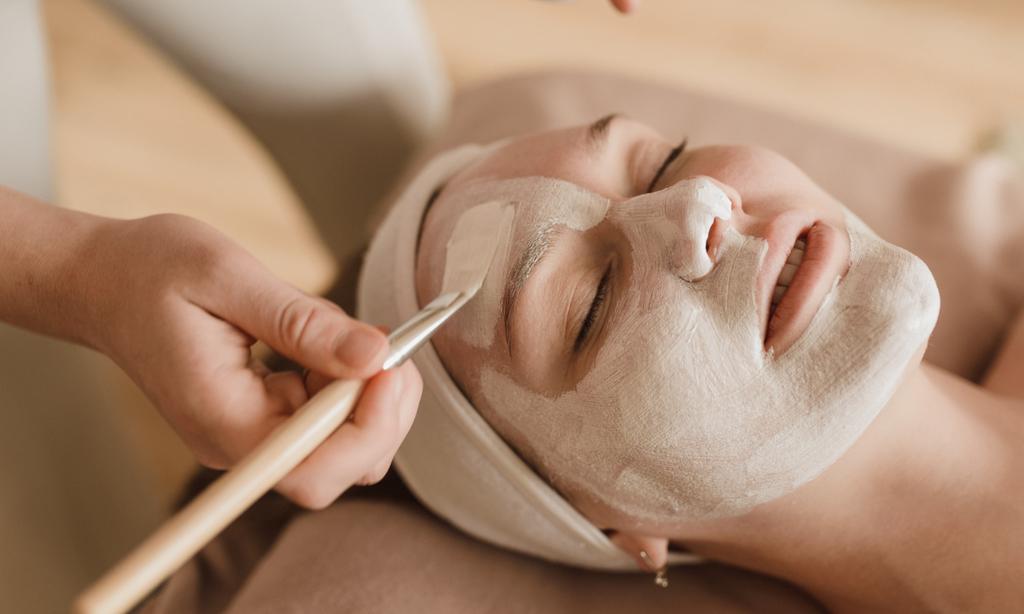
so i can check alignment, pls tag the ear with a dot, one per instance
(656, 548)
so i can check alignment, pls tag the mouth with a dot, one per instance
(815, 261)
(786, 276)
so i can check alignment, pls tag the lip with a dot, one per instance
(826, 257)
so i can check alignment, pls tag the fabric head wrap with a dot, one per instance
(452, 459)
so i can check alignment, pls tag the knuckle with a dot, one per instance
(193, 236)
(295, 320)
(310, 495)
(377, 473)
(212, 458)
(225, 437)
(202, 440)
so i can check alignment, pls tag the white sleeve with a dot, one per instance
(24, 101)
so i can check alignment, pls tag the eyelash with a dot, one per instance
(603, 286)
(595, 307)
(672, 155)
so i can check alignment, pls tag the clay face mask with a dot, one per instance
(683, 415)
(557, 203)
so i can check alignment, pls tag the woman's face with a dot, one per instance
(627, 339)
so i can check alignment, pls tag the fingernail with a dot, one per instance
(359, 347)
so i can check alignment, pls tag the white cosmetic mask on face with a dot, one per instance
(683, 415)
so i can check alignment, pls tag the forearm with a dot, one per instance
(39, 247)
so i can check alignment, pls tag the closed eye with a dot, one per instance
(672, 155)
(595, 308)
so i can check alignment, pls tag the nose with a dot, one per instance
(717, 231)
(701, 211)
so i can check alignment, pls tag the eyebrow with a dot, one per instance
(539, 247)
(543, 239)
(597, 132)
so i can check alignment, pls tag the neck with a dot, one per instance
(921, 515)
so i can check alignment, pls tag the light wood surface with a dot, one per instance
(935, 76)
(134, 136)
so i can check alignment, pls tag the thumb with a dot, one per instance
(317, 334)
(312, 331)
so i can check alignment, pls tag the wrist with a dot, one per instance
(38, 242)
(87, 280)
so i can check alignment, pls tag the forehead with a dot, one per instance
(547, 154)
(589, 156)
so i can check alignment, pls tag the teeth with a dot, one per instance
(788, 272)
(797, 254)
(777, 295)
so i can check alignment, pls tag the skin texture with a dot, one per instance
(925, 513)
(177, 305)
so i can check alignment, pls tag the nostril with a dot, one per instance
(698, 214)
(715, 236)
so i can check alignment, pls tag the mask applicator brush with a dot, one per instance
(470, 251)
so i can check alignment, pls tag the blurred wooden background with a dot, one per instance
(133, 135)
(935, 76)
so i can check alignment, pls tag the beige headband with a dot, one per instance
(452, 459)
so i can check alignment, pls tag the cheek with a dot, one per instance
(683, 416)
(767, 182)
(460, 359)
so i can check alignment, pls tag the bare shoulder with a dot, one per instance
(1006, 374)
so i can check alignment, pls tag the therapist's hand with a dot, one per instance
(626, 6)
(178, 305)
